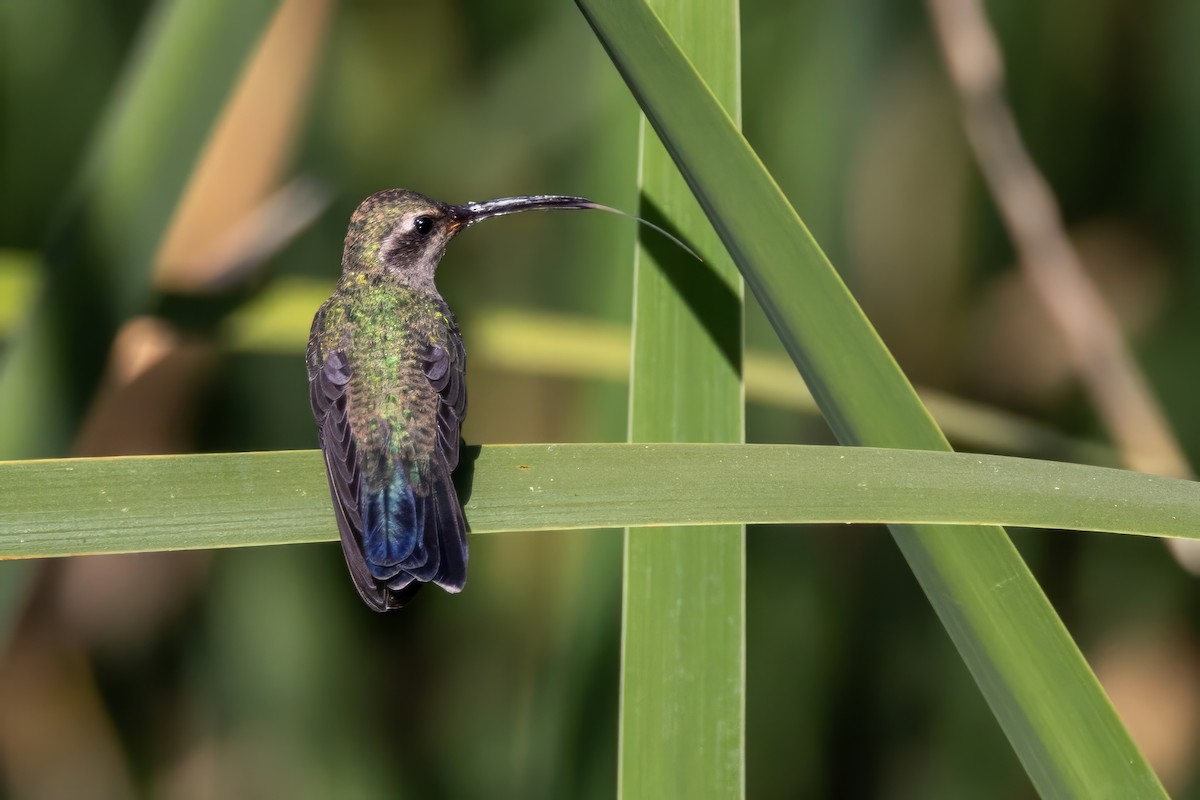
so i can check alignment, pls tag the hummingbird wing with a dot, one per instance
(327, 384)
(445, 527)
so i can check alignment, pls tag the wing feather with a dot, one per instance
(446, 372)
(328, 382)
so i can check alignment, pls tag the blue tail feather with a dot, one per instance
(393, 521)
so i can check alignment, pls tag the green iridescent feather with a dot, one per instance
(385, 328)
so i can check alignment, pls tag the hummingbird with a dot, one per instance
(386, 367)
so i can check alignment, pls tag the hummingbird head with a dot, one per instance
(398, 231)
(404, 233)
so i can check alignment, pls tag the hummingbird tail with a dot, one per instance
(393, 519)
(414, 536)
(390, 521)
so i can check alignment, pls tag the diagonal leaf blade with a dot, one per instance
(1036, 682)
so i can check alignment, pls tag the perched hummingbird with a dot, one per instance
(385, 374)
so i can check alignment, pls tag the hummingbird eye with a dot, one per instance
(423, 225)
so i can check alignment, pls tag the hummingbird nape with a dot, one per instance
(386, 371)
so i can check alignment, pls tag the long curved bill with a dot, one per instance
(469, 213)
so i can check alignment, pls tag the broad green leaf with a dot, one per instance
(1047, 700)
(683, 619)
(84, 506)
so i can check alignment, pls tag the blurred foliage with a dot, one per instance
(257, 673)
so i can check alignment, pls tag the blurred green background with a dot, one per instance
(257, 673)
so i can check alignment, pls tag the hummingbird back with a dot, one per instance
(386, 366)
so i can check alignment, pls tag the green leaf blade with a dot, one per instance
(146, 503)
(1023, 660)
(683, 611)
